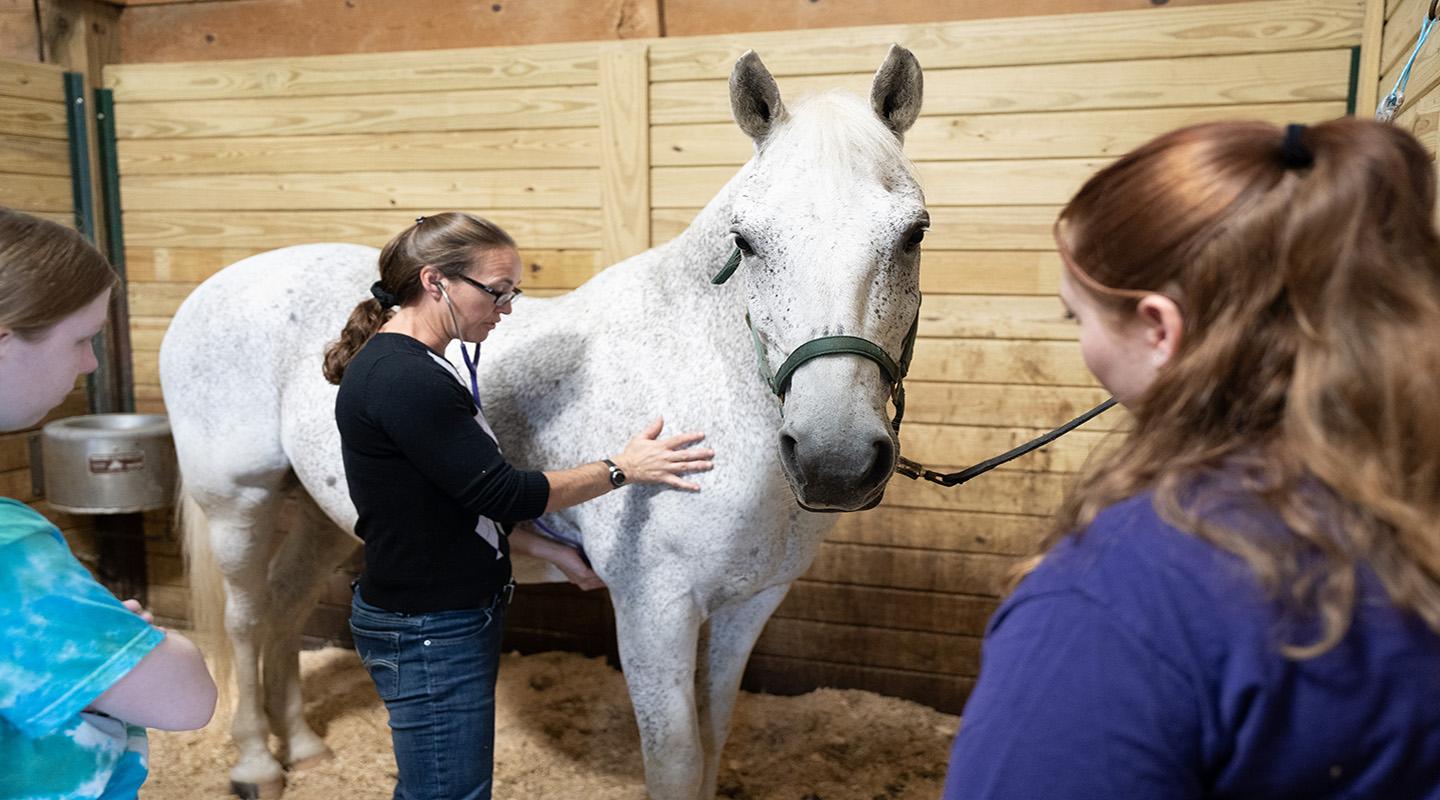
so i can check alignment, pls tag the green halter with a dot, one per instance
(831, 345)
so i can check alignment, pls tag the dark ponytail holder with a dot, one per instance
(384, 298)
(1293, 152)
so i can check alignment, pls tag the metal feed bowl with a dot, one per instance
(109, 463)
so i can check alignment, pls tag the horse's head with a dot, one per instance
(827, 221)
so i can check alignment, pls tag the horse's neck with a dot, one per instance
(684, 266)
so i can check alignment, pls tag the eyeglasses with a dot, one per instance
(501, 298)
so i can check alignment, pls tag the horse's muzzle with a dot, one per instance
(851, 477)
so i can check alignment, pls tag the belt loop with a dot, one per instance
(508, 593)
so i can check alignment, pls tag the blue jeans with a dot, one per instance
(436, 673)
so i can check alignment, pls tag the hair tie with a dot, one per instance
(419, 219)
(384, 298)
(1293, 152)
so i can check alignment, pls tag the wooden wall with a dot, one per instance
(224, 159)
(35, 178)
(181, 30)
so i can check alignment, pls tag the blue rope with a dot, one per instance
(1393, 101)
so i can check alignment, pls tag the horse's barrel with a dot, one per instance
(109, 463)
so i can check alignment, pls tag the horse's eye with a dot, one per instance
(917, 235)
(744, 245)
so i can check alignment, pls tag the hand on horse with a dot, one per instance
(650, 459)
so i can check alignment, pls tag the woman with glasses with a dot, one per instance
(435, 498)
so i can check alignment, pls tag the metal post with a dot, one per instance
(123, 375)
(101, 382)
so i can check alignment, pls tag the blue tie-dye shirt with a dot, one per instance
(64, 640)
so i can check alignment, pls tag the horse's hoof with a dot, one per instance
(310, 761)
(269, 790)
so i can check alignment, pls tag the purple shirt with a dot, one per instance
(1140, 662)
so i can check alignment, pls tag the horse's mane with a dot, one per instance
(847, 137)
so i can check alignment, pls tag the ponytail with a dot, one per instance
(363, 324)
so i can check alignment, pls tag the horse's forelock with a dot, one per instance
(845, 137)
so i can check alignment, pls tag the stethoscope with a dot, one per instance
(475, 393)
(465, 354)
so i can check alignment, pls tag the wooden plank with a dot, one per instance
(1425, 127)
(1367, 86)
(180, 264)
(955, 183)
(170, 602)
(930, 570)
(989, 272)
(36, 192)
(1404, 19)
(624, 151)
(1062, 134)
(18, 37)
(146, 332)
(40, 118)
(420, 150)
(543, 269)
(549, 188)
(1033, 493)
(1276, 27)
(1006, 405)
(897, 609)
(995, 317)
(357, 73)
(981, 361)
(780, 675)
(15, 484)
(546, 229)
(1200, 81)
(485, 109)
(960, 446)
(32, 81)
(708, 17)
(960, 531)
(292, 28)
(34, 156)
(15, 450)
(921, 651)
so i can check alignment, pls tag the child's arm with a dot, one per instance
(169, 689)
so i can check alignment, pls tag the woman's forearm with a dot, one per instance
(572, 486)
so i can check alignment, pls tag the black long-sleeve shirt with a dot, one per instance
(422, 473)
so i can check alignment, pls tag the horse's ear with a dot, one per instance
(898, 89)
(754, 97)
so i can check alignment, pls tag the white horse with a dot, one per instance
(828, 216)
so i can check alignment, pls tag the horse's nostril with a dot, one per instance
(787, 449)
(883, 462)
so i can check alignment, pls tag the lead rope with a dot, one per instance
(914, 471)
(1385, 112)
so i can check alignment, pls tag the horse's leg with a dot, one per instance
(658, 631)
(242, 535)
(311, 551)
(725, 646)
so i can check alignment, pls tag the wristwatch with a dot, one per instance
(617, 475)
